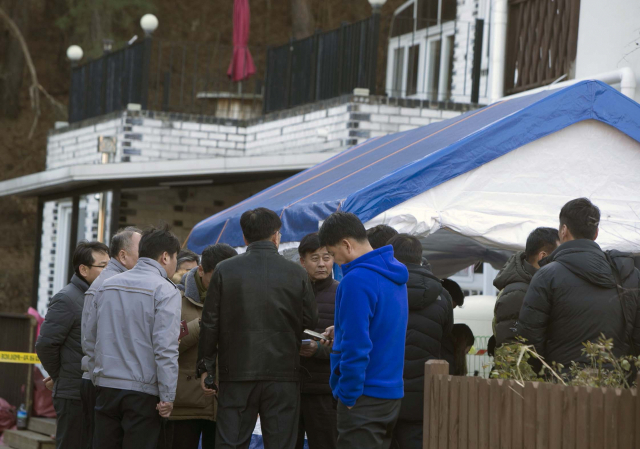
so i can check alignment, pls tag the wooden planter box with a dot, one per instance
(471, 412)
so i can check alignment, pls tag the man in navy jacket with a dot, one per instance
(371, 315)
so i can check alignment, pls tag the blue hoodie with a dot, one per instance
(367, 357)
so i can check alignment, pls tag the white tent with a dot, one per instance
(474, 187)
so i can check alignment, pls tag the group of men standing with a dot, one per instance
(126, 348)
(563, 291)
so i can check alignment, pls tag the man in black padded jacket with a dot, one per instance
(573, 298)
(59, 344)
(430, 321)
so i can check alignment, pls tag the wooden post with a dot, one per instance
(432, 369)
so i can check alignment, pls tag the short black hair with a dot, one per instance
(406, 248)
(454, 290)
(156, 241)
(214, 254)
(541, 239)
(186, 255)
(463, 334)
(122, 240)
(339, 226)
(582, 217)
(83, 254)
(259, 224)
(380, 235)
(310, 243)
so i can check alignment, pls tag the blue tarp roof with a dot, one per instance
(383, 172)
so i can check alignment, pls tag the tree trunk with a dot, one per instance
(303, 24)
(13, 62)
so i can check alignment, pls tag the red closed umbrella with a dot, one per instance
(242, 66)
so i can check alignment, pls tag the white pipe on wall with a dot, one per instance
(498, 51)
(624, 76)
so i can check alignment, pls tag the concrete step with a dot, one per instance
(26, 439)
(45, 426)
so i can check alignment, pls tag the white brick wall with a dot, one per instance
(141, 139)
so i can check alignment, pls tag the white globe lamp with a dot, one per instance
(377, 5)
(74, 53)
(149, 23)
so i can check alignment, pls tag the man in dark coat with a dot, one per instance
(257, 307)
(573, 297)
(430, 320)
(513, 281)
(318, 418)
(59, 344)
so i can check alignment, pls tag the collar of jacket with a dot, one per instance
(191, 291)
(322, 285)
(116, 265)
(147, 264)
(571, 246)
(80, 283)
(262, 245)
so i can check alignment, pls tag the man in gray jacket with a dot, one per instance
(124, 256)
(58, 345)
(136, 320)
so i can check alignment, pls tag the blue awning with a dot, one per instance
(381, 173)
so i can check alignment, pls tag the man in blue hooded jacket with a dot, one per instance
(371, 315)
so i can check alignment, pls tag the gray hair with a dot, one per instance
(122, 240)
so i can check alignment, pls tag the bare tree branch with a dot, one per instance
(35, 88)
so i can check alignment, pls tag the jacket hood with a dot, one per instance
(517, 269)
(381, 261)
(585, 259)
(624, 263)
(423, 288)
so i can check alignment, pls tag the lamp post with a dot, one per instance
(74, 53)
(149, 24)
(374, 27)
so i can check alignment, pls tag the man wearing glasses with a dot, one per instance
(257, 306)
(59, 344)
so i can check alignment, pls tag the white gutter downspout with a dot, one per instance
(498, 51)
(624, 76)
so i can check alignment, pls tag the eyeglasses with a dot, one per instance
(97, 266)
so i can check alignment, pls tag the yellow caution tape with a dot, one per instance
(18, 357)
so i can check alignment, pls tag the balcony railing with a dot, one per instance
(323, 66)
(184, 77)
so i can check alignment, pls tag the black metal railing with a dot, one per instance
(323, 66)
(185, 77)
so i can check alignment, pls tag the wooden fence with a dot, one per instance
(470, 412)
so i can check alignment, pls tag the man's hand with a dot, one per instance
(309, 350)
(207, 391)
(165, 408)
(329, 334)
(48, 382)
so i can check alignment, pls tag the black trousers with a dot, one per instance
(369, 424)
(239, 404)
(88, 395)
(408, 434)
(125, 419)
(319, 420)
(185, 434)
(68, 418)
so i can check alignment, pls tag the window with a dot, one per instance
(435, 47)
(412, 71)
(403, 22)
(429, 10)
(398, 70)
